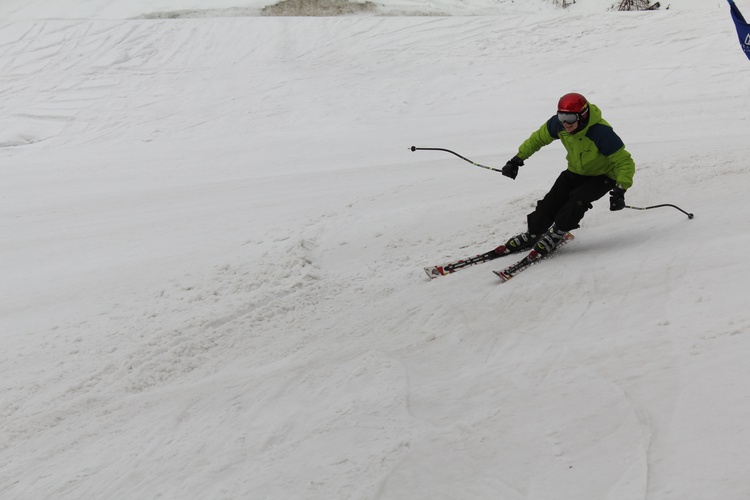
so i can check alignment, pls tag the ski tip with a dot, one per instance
(434, 272)
(503, 277)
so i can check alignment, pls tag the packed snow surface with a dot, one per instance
(214, 234)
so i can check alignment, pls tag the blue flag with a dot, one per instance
(743, 29)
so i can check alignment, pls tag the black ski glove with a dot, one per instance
(617, 199)
(511, 168)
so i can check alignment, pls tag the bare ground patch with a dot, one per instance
(317, 8)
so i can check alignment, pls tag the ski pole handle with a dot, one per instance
(414, 148)
(689, 215)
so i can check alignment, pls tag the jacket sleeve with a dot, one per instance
(546, 134)
(623, 167)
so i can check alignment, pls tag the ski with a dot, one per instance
(532, 258)
(452, 267)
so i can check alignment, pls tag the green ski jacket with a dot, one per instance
(594, 150)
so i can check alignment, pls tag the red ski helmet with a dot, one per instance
(573, 104)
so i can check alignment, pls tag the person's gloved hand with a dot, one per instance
(511, 168)
(617, 199)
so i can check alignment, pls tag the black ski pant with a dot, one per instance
(568, 200)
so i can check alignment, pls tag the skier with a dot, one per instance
(597, 163)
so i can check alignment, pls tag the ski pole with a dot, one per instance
(689, 215)
(414, 148)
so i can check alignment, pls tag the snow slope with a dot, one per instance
(215, 234)
(113, 9)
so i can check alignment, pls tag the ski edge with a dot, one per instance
(451, 267)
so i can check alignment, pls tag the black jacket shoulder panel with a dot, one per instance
(605, 139)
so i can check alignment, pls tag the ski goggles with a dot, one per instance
(569, 118)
